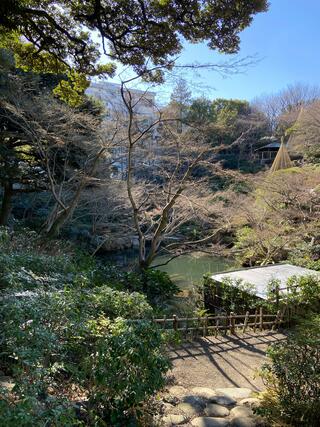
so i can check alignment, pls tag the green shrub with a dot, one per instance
(307, 256)
(29, 412)
(80, 346)
(155, 284)
(124, 366)
(231, 294)
(293, 377)
(52, 341)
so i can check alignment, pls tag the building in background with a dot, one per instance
(110, 95)
(146, 113)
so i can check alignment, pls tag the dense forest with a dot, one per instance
(81, 179)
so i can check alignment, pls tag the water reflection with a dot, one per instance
(187, 270)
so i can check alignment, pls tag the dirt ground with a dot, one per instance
(223, 361)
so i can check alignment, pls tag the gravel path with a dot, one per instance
(223, 361)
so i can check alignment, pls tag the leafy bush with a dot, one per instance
(53, 343)
(125, 366)
(231, 294)
(26, 263)
(155, 284)
(71, 346)
(293, 377)
(306, 256)
(29, 412)
(304, 291)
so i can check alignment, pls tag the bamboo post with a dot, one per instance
(205, 326)
(198, 326)
(261, 318)
(276, 320)
(245, 323)
(164, 322)
(175, 322)
(217, 327)
(232, 323)
(255, 320)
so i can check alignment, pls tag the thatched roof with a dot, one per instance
(282, 159)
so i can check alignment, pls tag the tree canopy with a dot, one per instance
(59, 32)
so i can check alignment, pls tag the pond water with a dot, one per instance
(185, 270)
(188, 270)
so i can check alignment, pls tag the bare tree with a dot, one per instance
(285, 105)
(281, 215)
(174, 191)
(305, 135)
(69, 145)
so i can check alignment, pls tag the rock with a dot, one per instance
(171, 400)
(178, 391)
(204, 392)
(243, 422)
(114, 243)
(214, 410)
(241, 411)
(252, 402)
(187, 409)
(209, 422)
(235, 392)
(223, 400)
(194, 400)
(174, 419)
(167, 407)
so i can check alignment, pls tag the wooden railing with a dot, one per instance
(212, 325)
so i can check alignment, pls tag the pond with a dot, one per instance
(185, 270)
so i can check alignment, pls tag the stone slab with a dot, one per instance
(209, 422)
(241, 411)
(187, 409)
(235, 392)
(243, 422)
(205, 392)
(215, 410)
(252, 402)
(223, 400)
(174, 419)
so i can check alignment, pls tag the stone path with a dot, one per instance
(207, 407)
(216, 381)
(223, 361)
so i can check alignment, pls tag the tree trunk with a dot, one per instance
(54, 227)
(6, 204)
(59, 218)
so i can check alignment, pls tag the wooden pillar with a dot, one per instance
(245, 323)
(205, 326)
(217, 327)
(261, 319)
(175, 322)
(255, 320)
(232, 323)
(276, 320)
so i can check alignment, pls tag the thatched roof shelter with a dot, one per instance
(282, 159)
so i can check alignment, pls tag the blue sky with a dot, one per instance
(287, 41)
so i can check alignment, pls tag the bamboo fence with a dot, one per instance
(212, 325)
